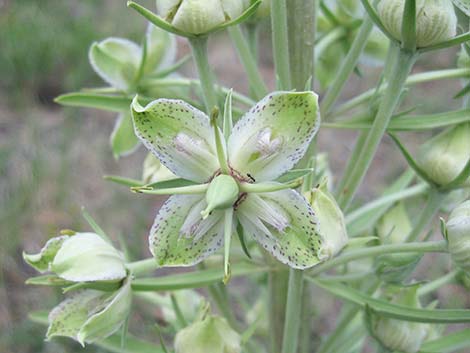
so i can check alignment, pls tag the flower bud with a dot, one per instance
(91, 315)
(154, 171)
(212, 334)
(458, 236)
(398, 335)
(332, 226)
(435, 20)
(83, 257)
(444, 157)
(200, 16)
(221, 194)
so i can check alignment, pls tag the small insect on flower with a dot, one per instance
(237, 179)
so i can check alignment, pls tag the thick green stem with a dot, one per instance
(143, 266)
(252, 33)
(301, 16)
(427, 215)
(293, 311)
(257, 85)
(280, 43)
(347, 66)
(388, 104)
(199, 48)
(438, 246)
(278, 285)
(437, 283)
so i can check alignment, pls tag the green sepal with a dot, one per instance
(294, 174)
(241, 238)
(108, 102)
(123, 140)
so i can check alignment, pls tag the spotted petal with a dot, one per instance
(284, 224)
(179, 135)
(116, 60)
(274, 135)
(179, 235)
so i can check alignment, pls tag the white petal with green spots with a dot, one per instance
(284, 224)
(179, 135)
(274, 135)
(180, 237)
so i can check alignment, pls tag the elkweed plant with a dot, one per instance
(252, 193)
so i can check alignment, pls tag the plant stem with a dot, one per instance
(437, 283)
(432, 206)
(257, 85)
(412, 80)
(293, 311)
(388, 104)
(301, 18)
(142, 266)
(253, 35)
(280, 43)
(357, 254)
(347, 66)
(199, 49)
(278, 286)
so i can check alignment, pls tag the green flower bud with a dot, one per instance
(91, 315)
(200, 16)
(458, 236)
(212, 334)
(393, 228)
(332, 226)
(435, 20)
(154, 171)
(222, 193)
(398, 335)
(444, 157)
(83, 257)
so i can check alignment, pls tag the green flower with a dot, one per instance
(91, 315)
(122, 63)
(83, 257)
(212, 334)
(236, 179)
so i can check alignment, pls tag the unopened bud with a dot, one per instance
(458, 236)
(212, 334)
(83, 257)
(435, 20)
(398, 335)
(444, 157)
(332, 226)
(200, 16)
(221, 194)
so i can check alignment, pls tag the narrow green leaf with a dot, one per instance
(123, 180)
(459, 179)
(294, 174)
(107, 102)
(48, 280)
(96, 228)
(448, 43)
(376, 19)
(193, 279)
(393, 310)
(407, 122)
(450, 343)
(240, 19)
(411, 162)
(408, 29)
(365, 217)
(173, 183)
(464, 91)
(241, 237)
(111, 344)
(157, 20)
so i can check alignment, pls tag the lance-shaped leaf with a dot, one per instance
(90, 315)
(179, 235)
(274, 135)
(284, 224)
(116, 61)
(179, 135)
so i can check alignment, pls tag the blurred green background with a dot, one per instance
(52, 159)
